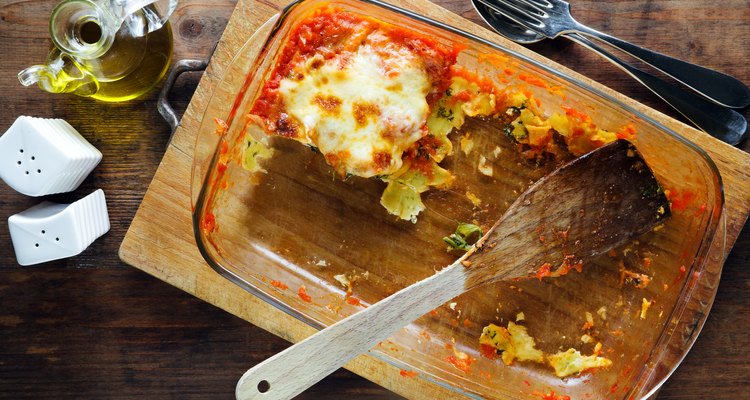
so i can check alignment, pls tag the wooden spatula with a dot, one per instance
(596, 202)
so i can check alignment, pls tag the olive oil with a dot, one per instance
(130, 69)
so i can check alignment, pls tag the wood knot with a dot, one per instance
(191, 28)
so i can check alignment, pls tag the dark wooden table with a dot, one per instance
(93, 327)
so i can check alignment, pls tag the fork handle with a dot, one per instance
(723, 123)
(718, 87)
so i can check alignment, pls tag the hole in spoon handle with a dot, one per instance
(263, 386)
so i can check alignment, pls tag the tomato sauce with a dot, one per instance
(488, 351)
(532, 80)
(279, 284)
(463, 364)
(302, 292)
(551, 396)
(408, 374)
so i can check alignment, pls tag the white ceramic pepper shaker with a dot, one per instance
(50, 231)
(40, 156)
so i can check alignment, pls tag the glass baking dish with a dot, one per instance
(296, 226)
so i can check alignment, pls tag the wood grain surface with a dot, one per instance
(92, 327)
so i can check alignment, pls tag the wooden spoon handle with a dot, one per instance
(300, 366)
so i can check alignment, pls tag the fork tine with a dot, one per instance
(514, 13)
(530, 6)
(542, 3)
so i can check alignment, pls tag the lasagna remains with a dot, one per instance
(377, 100)
(514, 343)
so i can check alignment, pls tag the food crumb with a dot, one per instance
(485, 168)
(645, 305)
(520, 316)
(343, 280)
(497, 151)
(467, 144)
(221, 127)
(302, 292)
(408, 374)
(514, 342)
(680, 274)
(461, 360)
(279, 284)
(550, 396)
(544, 271)
(589, 321)
(572, 362)
(640, 281)
(353, 301)
(333, 308)
(322, 263)
(476, 201)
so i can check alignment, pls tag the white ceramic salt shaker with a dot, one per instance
(50, 231)
(40, 156)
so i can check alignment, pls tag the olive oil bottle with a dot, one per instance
(104, 53)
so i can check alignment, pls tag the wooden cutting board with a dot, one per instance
(160, 239)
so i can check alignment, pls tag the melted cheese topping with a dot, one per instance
(361, 110)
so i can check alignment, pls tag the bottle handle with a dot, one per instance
(61, 74)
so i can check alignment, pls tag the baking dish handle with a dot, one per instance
(163, 105)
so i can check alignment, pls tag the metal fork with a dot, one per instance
(721, 122)
(552, 18)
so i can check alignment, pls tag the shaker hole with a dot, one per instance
(90, 32)
(264, 386)
(33, 158)
(27, 172)
(43, 232)
(20, 150)
(19, 163)
(39, 171)
(57, 239)
(36, 244)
